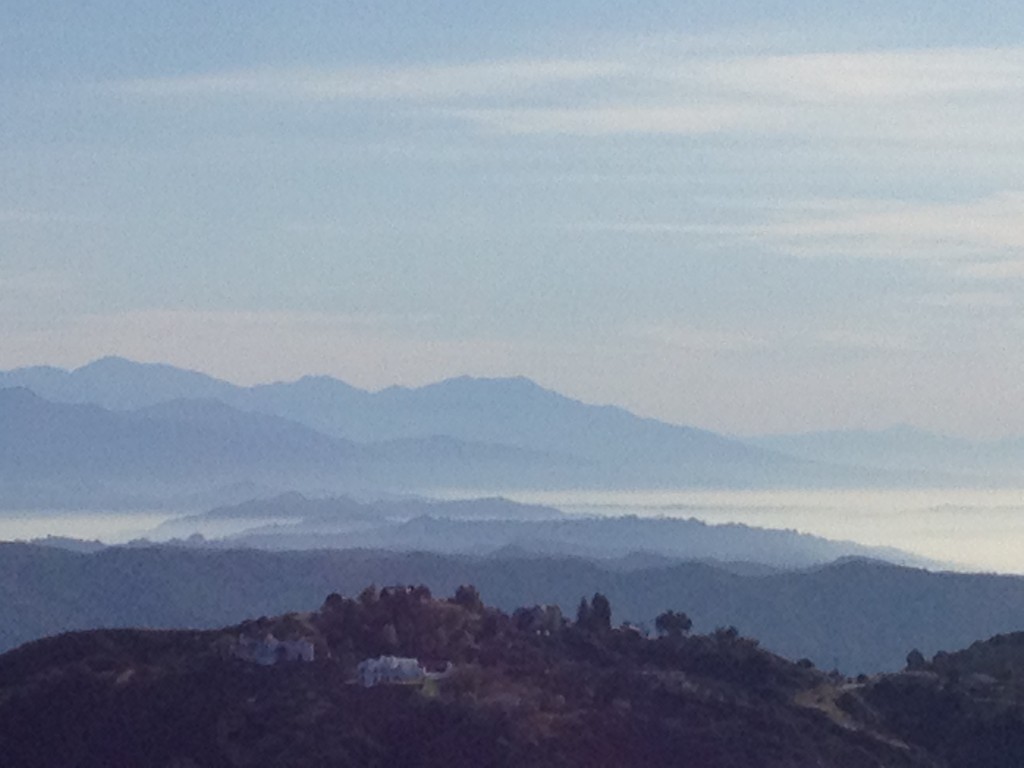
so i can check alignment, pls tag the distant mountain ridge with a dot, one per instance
(490, 435)
(901, 448)
(858, 615)
(512, 411)
(486, 525)
(506, 414)
(62, 455)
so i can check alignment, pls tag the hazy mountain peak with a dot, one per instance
(514, 389)
(115, 362)
(325, 381)
(114, 365)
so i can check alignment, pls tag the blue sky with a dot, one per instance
(746, 216)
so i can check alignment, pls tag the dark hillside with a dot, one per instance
(515, 693)
(861, 616)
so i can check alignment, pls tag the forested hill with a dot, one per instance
(527, 688)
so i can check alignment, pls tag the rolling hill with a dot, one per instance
(861, 616)
(529, 687)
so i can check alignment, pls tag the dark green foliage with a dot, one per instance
(673, 623)
(583, 613)
(600, 613)
(468, 597)
(595, 616)
(915, 660)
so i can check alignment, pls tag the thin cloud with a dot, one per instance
(945, 100)
(975, 229)
(993, 270)
(872, 77)
(687, 120)
(657, 228)
(948, 233)
(712, 340)
(421, 84)
(968, 300)
(701, 339)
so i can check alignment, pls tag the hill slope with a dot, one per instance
(858, 615)
(530, 688)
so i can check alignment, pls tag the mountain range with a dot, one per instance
(858, 615)
(515, 412)
(119, 433)
(293, 522)
(179, 454)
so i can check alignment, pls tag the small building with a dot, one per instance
(390, 670)
(269, 650)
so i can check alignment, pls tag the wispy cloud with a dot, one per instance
(620, 119)
(975, 229)
(987, 230)
(775, 339)
(872, 76)
(635, 227)
(944, 98)
(421, 84)
(968, 300)
(993, 270)
(694, 339)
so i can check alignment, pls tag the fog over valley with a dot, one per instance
(116, 439)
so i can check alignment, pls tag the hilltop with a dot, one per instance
(530, 688)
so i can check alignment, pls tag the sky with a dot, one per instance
(747, 216)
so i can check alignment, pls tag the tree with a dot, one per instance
(333, 603)
(915, 661)
(595, 616)
(583, 614)
(673, 623)
(726, 634)
(600, 613)
(368, 596)
(468, 597)
(421, 593)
